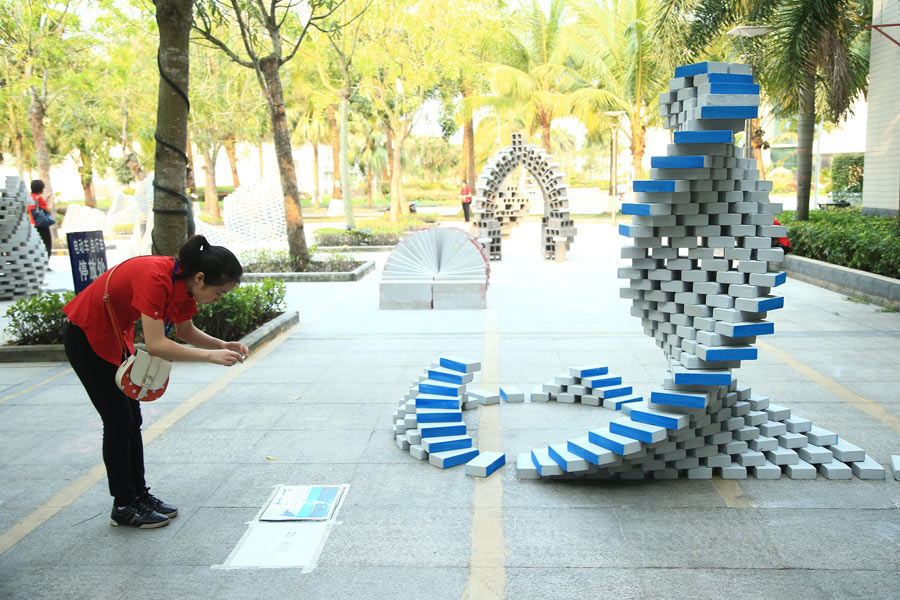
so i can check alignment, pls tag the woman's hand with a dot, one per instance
(239, 348)
(226, 358)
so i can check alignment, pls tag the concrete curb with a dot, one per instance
(56, 352)
(350, 249)
(877, 289)
(354, 275)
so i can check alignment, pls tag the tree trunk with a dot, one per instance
(806, 123)
(389, 148)
(210, 190)
(171, 216)
(370, 179)
(135, 166)
(335, 138)
(282, 137)
(396, 187)
(545, 134)
(232, 159)
(36, 112)
(259, 153)
(469, 141)
(19, 149)
(86, 174)
(189, 178)
(315, 198)
(638, 146)
(613, 150)
(346, 187)
(757, 141)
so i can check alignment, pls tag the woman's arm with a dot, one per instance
(187, 331)
(159, 345)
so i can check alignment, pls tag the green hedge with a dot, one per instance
(241, 310)
(383, 235)
(39, 319)
(848, 238)
(279, 261)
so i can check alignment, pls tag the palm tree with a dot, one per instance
(815, 63)
(611, 48)
(312, 128)
(530, 73)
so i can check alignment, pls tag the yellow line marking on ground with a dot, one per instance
(731, 493)
(873, 409)
(35, 386)
(71, 492)
(487, 558)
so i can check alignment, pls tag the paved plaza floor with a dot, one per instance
(315, 406)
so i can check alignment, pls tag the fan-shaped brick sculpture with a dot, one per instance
(492, 210)
(23, 259)
(438, 267)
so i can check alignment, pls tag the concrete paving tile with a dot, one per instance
(575, 582)
(555, 415)
(268, 393)
(75, 448)
(312, 446)
(31, 484)
(853, 493)
(363, 374)
(14, 444)
(250, 485)
(275, 374)
(835, 538)
(328, 416)
(592, 493)
(384, 583)
(49, 418)
(388, 485)
(370, 536)
(154, 583)
(211, 446)
(233, 417)
(352, 393)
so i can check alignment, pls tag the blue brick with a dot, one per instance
(437, 402)
(452, 458)
(704, 137)
(729, 112)
(458, 364)
(728, 354)
(447, 376)
(733, 88)
(613, 391)
(691, 70)
(748, 330)
(672, 398)
(441, 430)
(598, 382)
(703, 378)
(584, 372)
(436, 388)
(729, 78)
(618, 404)
(649, 185)
(614, 442)
(678, 162)
(629, 208)
(771, 304)
(669, 421)
(427, 415)
(444, 443)
(633, 429)
(594, 454)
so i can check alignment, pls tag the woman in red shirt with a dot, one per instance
(160, 291)
(37, 197)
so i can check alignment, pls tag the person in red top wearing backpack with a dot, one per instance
(158, 290)
(37, 199)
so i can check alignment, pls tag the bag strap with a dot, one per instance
(120, 337)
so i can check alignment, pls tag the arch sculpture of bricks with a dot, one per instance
(437, 267)
(23, 258)
(491, 211)
(256, 211)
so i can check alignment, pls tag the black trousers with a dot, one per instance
(123, 446)
(466, 210)
(44, 232)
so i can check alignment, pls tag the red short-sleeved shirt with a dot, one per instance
(142, 284)
(38, 200)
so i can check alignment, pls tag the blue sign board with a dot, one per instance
(87, 252)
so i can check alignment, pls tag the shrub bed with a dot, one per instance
(279, 261)
(39, 319)
(382, 235)
(848, 238)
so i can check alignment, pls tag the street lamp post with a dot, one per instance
(740, 32)
(613, 161)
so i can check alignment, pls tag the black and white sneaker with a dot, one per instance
(137, 514)
(157, 504)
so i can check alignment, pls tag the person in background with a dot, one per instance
(782, 242)
(160, 291)
(38, 200)
(465, 195)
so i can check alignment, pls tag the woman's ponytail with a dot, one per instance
(217, 263)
